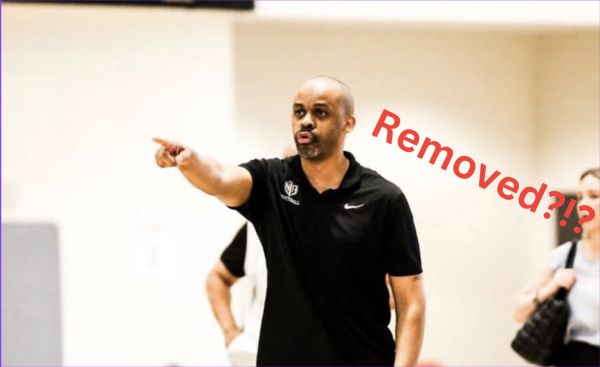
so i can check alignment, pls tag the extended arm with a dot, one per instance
(230, 184)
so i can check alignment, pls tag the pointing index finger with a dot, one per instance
(172, 147)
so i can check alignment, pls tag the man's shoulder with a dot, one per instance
(265, 161)
(372, 180)
(267, 164)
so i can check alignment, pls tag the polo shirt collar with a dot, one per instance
(350, 181)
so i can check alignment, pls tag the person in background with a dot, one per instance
(243, 258)
(582, 341)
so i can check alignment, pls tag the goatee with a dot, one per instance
(308, 151)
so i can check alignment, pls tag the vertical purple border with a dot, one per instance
(1, 181)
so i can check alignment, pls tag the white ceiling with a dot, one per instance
(545, 14)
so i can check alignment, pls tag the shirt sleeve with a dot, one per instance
(558, 256)
(404, 254)
(234, 256)
(258, 169)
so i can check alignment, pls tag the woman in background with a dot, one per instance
(583, 337)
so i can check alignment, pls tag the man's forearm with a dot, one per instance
(204, 173)
(232, 185)
(410, 327)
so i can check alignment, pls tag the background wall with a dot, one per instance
(568, 128)
(85, 88)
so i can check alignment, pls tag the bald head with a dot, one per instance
(329, 84)
(322, 115)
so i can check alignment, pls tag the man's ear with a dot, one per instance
(350, 123)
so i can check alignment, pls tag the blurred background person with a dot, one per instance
(244, 257)
(583, 280)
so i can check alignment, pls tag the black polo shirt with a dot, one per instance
(327, 256)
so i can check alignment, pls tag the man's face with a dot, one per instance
(319, 119)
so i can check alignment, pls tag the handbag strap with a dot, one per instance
(563, 292)
(571, 255)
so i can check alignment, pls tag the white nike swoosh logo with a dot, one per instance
(348, 206)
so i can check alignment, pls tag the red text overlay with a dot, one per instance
(464, 167)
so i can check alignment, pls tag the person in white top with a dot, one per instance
(582, 341)
(243, 258)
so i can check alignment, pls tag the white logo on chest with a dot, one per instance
(348, 206)
(290, 189)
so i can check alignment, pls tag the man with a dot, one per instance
(243, 258)
(331, 230)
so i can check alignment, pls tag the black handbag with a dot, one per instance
(542, 336)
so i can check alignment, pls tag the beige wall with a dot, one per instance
(568, 94)
(568, 114)
(86, 88)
